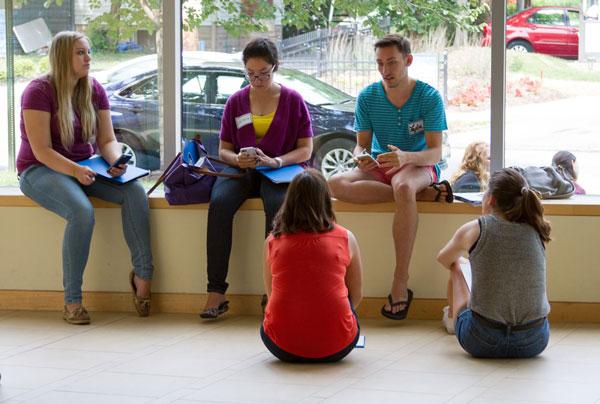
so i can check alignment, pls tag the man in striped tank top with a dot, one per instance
(399, 123)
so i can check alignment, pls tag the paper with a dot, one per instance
(473, 198)
(361, 342)
(100, 166)
(465, 266)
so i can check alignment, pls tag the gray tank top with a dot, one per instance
(508, 267)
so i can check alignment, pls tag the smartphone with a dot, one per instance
(366, 157)
(361, 342)
(124, 159)
(250, 151)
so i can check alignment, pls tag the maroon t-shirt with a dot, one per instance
(41, 96)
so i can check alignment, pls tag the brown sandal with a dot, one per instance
(142, 304)
(78, 316)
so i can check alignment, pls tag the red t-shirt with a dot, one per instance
(309, 313)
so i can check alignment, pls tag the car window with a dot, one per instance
(314, 91)
(226, 86)
(573, 18)
(548, 17)
(147, 90)
(193, 87)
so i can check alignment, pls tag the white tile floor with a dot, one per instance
(121, 358)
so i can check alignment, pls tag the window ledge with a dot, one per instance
(578, 205)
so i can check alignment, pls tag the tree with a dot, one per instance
(408, 17)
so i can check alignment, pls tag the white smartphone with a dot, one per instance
(366, 157)
(250, 151)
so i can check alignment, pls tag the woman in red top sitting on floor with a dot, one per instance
(313, 278)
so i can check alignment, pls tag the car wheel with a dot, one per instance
(335, 156)
(520, 46)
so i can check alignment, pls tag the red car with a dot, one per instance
(550, 30)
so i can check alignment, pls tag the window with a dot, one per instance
(573, 18)
(226, 86)
(548, 17)
(193, 87)
(145, 91)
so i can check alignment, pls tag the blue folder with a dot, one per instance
(100, 166)
(281, 175)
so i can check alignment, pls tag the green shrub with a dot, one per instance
(99, 39)
(24, 68)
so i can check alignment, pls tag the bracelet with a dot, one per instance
(279, 161)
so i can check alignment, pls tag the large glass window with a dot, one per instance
(124, 41)
(552, 92)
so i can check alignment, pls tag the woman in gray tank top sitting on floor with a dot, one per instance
(503, 312)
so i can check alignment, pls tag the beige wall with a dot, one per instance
(30, 247)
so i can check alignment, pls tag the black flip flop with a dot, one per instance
(400, 315)
(449, 193)
(215, 311)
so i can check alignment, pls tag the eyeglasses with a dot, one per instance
(260, 76)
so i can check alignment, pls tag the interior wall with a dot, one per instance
(30, 247)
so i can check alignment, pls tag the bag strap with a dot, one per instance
(162, 176)
(206, 171)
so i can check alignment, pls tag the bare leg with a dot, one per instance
(142, 286)
(449, 295)
(213, 300)
(405, 184)
(358, 186)
(459, 294)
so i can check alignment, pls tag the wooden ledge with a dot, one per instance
(578, 205)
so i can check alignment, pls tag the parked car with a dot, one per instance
(550, 30)
(208, 79)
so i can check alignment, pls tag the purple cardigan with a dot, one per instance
(290, 123)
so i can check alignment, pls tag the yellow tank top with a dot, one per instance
(261, 124)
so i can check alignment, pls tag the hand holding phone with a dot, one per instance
(115, 169)
(365, 158)
(250, 151)
(123, 159)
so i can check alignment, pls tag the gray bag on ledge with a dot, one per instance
(550, 182)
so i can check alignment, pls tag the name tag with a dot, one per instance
(415, 127)
(243, 120)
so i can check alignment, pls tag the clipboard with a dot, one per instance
(100, 166)
(281, 175)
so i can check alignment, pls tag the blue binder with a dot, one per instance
(100, 166)
(281, 175)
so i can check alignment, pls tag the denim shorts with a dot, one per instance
(483, 341)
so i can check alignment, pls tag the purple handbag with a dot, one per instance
(189, 181)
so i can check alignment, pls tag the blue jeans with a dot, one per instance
(66, 197)
(482, 341)
(228, 194)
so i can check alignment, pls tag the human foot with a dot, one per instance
(397, 309)
(447, 320)
(76, 314)
(216, 305)
(141, 294)
(439, 191)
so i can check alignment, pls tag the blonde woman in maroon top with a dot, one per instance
(313, 278)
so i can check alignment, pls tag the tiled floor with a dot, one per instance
(179, 359)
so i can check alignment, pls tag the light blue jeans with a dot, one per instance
(483, 341)
(66, 197)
